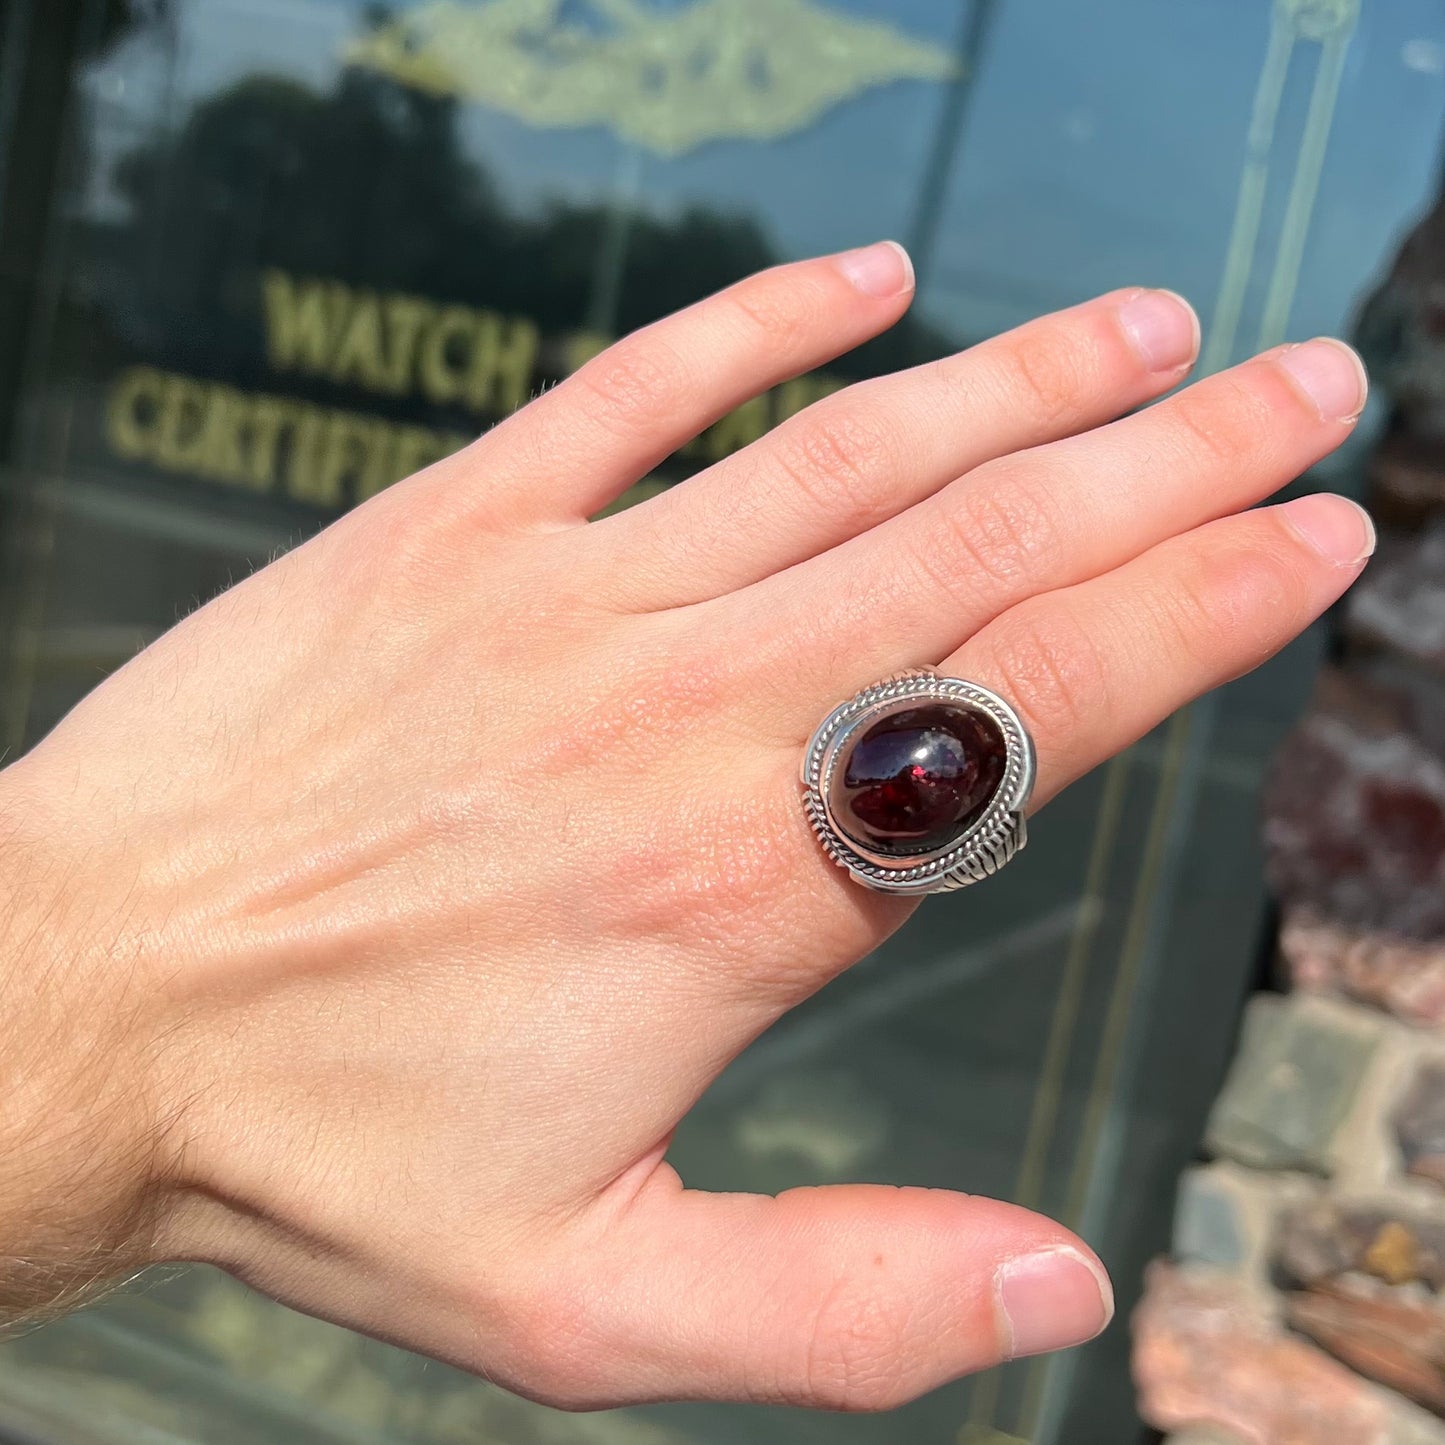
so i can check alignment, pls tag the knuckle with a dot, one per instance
(1049, 375)
(550, 1348)
(422, 547)
(1054, 671)
(781, 312)
(1221, 423)
(522, 1331)
(1211, 612)
(1196, 614)
(635, 380)
(841, 460)
(662, 694)
(1003, 532)
(854, 1360)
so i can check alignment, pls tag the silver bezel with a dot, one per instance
(990, 841)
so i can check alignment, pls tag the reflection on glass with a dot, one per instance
(304, 247)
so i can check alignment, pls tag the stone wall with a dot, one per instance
(1304, 1302)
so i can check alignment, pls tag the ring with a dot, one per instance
(918, 784)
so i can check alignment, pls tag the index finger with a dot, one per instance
(628, 409)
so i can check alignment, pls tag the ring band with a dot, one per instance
(918, 784)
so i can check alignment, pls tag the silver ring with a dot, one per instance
(919, 783)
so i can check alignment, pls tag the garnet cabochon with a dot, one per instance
(916, 780)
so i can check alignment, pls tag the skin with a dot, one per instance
(369, 934)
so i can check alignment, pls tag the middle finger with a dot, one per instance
(915, 588)
(874, 449)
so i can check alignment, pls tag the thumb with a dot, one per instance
(854, 1297)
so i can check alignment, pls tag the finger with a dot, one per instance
(911, 590)
(1094, 667)
(847, 1298)
(1090, 669)
(582, 444)
(865, 454)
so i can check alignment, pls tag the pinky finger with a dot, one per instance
(1094, 667)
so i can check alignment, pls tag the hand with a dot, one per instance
(371, 932)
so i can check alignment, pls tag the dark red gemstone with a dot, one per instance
(918, 779)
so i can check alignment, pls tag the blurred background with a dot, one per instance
(261, 258)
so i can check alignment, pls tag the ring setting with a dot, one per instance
(918, 784)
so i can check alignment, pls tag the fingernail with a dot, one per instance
(1331, 375)
(884, 269)
(1052, 1300)
(1337, 528)
(1162, 328)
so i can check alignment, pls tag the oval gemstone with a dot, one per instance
(917, 780)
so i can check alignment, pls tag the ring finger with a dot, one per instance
(1091, 668)
(1094, 667)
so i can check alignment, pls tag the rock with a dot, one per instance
(1290, 1088)
(916, 781)
(1316, 1243)
(1399, 602)
(1402, 976)
(1420, 1124)
(1227, 1217)
(1395, 1254)
(1208, 1228)
(1399, 1342)
(1208, 1356)
(1355, 810)
(1323, 1240)
(1406, 480)
(1401, 333)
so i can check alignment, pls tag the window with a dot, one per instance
(265, 257)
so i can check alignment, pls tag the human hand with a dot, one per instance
(371, 932)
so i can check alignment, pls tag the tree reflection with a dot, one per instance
(371, 184)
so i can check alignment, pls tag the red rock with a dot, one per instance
(1399, 602)
(1406, 480)
(917, 779)
(1403, 976)
(1399, 1342)
(1355, 809)
(1401, 333)
(1206, 1354)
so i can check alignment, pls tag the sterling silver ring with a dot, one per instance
(918, 784)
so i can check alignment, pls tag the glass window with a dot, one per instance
(265, 257)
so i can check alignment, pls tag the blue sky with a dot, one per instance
(1104, 146)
